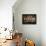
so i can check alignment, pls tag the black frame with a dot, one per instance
(28, 18)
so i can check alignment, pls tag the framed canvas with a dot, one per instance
(29, 19)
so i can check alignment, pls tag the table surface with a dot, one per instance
(8, 43)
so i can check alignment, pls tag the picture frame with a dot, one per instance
(29, 19)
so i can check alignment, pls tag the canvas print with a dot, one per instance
(28, 18)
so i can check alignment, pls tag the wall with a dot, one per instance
(43, 22)
(6, 13)
(32, 32)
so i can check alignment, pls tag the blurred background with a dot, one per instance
(37, 32)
